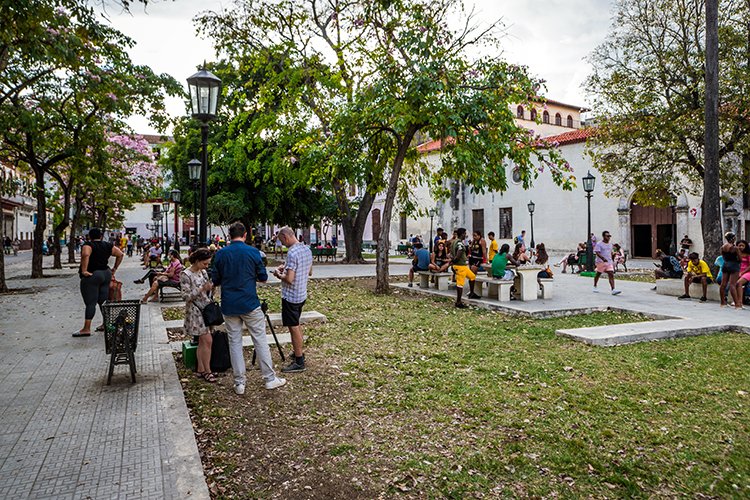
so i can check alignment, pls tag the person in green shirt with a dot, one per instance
(500, 262)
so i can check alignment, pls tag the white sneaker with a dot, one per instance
(275, 383)
(616, 292)
(596, 290)
(239, 389)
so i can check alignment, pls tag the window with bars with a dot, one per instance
(558, 119)
(506, 224)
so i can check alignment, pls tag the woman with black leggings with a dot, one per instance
(96, 275)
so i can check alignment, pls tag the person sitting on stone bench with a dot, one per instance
(500, 263)
(420, 262)
(440, 259)
(697, 272)
(542, 259)
(170, 277)
(670, 267)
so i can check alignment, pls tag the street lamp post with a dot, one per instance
(205, 88)
(531, 206)
(165, 236)
(194, 171)
(432, 213)
(176, 198)
(588, 185)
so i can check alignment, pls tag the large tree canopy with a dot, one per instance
(359, 80)
(648, 87)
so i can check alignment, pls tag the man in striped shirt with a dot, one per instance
(294, 274)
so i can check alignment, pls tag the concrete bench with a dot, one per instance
(492, 288)
(547, 287)
(441, 279)
(676, 288)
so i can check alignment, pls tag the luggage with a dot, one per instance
(220, 359)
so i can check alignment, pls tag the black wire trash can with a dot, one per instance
(121, 320)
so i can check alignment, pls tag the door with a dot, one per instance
(664, 238)
(642, 240)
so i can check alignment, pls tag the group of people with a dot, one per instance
(11, 245)
(733, 264)
(236, 269)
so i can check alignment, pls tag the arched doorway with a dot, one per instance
(375, 224)
(651, 228)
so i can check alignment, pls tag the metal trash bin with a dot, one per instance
(121, 322)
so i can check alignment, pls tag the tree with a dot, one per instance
(366, 77)
(82, 84)
(649, 87)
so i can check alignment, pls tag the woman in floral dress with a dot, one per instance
(195, 285)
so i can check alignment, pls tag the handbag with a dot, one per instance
(211, 313)
(115, 290)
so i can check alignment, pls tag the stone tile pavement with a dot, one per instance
(66, 434)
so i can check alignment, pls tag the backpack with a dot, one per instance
(220, 359)
(515, 240)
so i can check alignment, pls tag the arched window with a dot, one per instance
(519, 112)
(545, 116)
(533, 114)
(558, 119)
(570, 121)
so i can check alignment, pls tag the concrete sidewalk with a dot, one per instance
(65, 433)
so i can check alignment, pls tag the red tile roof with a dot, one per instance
(571, 137)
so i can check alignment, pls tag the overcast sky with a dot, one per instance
(552, 37)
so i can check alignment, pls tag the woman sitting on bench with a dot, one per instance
(440, 259)
(170, 277)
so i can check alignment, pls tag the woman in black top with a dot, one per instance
(730, 271)
(440, 258)
(95, 275)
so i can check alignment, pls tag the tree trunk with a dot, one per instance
(74, 231)
(37, 260)
(711, 203)
(381, 267)
(354, 227)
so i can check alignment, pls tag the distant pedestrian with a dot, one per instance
(237, 268)
(96, 275)
(521, 238)
(730, 271)
(294, 274)
(686, 243)
(604, 262)
(16, 245)
(7, 245)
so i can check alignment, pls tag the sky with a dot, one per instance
(551, 37)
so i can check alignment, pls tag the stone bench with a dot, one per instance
(547, 287)
(441, 279)
(676, 288)
(492, 288)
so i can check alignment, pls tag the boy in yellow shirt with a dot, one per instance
(493, 247)
(697, 272)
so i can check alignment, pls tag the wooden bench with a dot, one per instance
(169, 289)
(493, 288)
(547, 287)
(441, 279)
(328, 253)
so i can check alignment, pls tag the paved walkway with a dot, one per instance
(66, 434)
(573, 295)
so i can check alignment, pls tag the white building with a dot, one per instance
(560, 217)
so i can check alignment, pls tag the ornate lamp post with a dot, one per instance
(194, 171)
(176, 198)
(588, 185)
(432, 213)
(531, 206)
(165, 235)
(205, 88)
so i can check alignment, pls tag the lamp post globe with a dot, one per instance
(589, 181)
(205, 89)
(176, 196)
(531, 206)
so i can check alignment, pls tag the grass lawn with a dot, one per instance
(405, 396)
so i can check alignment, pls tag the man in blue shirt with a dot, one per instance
(237, 267)
(421, 261)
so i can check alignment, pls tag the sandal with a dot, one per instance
(81, 334)
(144, 301)
(199, 374)
(209, 377)
(99, 328)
